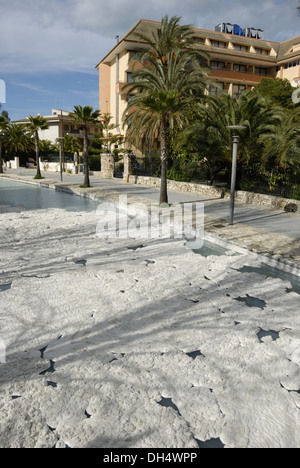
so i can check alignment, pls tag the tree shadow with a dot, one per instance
(116, 350)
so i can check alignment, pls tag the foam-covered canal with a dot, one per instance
(131, 343)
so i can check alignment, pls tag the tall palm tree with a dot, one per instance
(3, 127)
(85, 116)
(35, 124)
(171, 78)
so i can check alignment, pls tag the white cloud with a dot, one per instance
(33, 44)
(72, 35)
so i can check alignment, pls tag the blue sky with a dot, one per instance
(49, 48)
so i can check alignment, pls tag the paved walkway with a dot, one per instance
(272, 232)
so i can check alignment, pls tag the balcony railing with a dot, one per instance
(247, 71)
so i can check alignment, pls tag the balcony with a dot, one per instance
(251, 74)
(120, 87)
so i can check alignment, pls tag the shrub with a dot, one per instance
(94, 162)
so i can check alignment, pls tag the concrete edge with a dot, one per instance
(280, 263)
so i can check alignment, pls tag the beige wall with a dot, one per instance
(113, 80)
(104, 88)
(291, 73)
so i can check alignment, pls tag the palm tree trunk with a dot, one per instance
(76, 162)
(38, 170)
(163, 198)
(86, 158)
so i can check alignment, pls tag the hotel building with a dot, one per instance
(60, 123)
(239, 59)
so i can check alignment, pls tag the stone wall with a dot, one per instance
(129, 166)
(241, 196)
(107, 165)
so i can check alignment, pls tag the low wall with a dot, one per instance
(55, 166)
(13, 163)
(241, 196)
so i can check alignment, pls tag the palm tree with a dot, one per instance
(35, 124)
(108, 138)
(210, 137)
(17, 139)
(3, 127)
(282, 146)
(171, 78)
(72, 144)
(47, 147)
(85, 116)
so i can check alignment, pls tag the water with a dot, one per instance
(32, 197)
(271, 272)
(272, 333)
(252, 301)
(210, 249)
(211, 443)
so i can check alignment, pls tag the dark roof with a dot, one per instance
(281, 51)
(289, 49)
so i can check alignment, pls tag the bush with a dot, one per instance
(179, 172)
(94, 162)
(175, 174)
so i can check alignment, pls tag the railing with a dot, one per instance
(248, 71)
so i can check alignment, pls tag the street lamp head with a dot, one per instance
(236, 127)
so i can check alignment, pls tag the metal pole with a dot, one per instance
(60, 162)
(233, 178)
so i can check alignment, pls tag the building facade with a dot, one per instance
(239, 59)
(60, 123)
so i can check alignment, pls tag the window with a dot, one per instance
(215, 90)
(217, 65)
(260, 71)
(129, 77)
(295, 63)
(218, 44)
(240, 68)
(132, 54)
(261, 51)
(240, 47)
(238, 90)
(129, 97)
(199, 39)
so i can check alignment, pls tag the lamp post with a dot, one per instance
(233, 170)
(60, 140)
(1, 162)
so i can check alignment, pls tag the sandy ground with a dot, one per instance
(129, 343)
